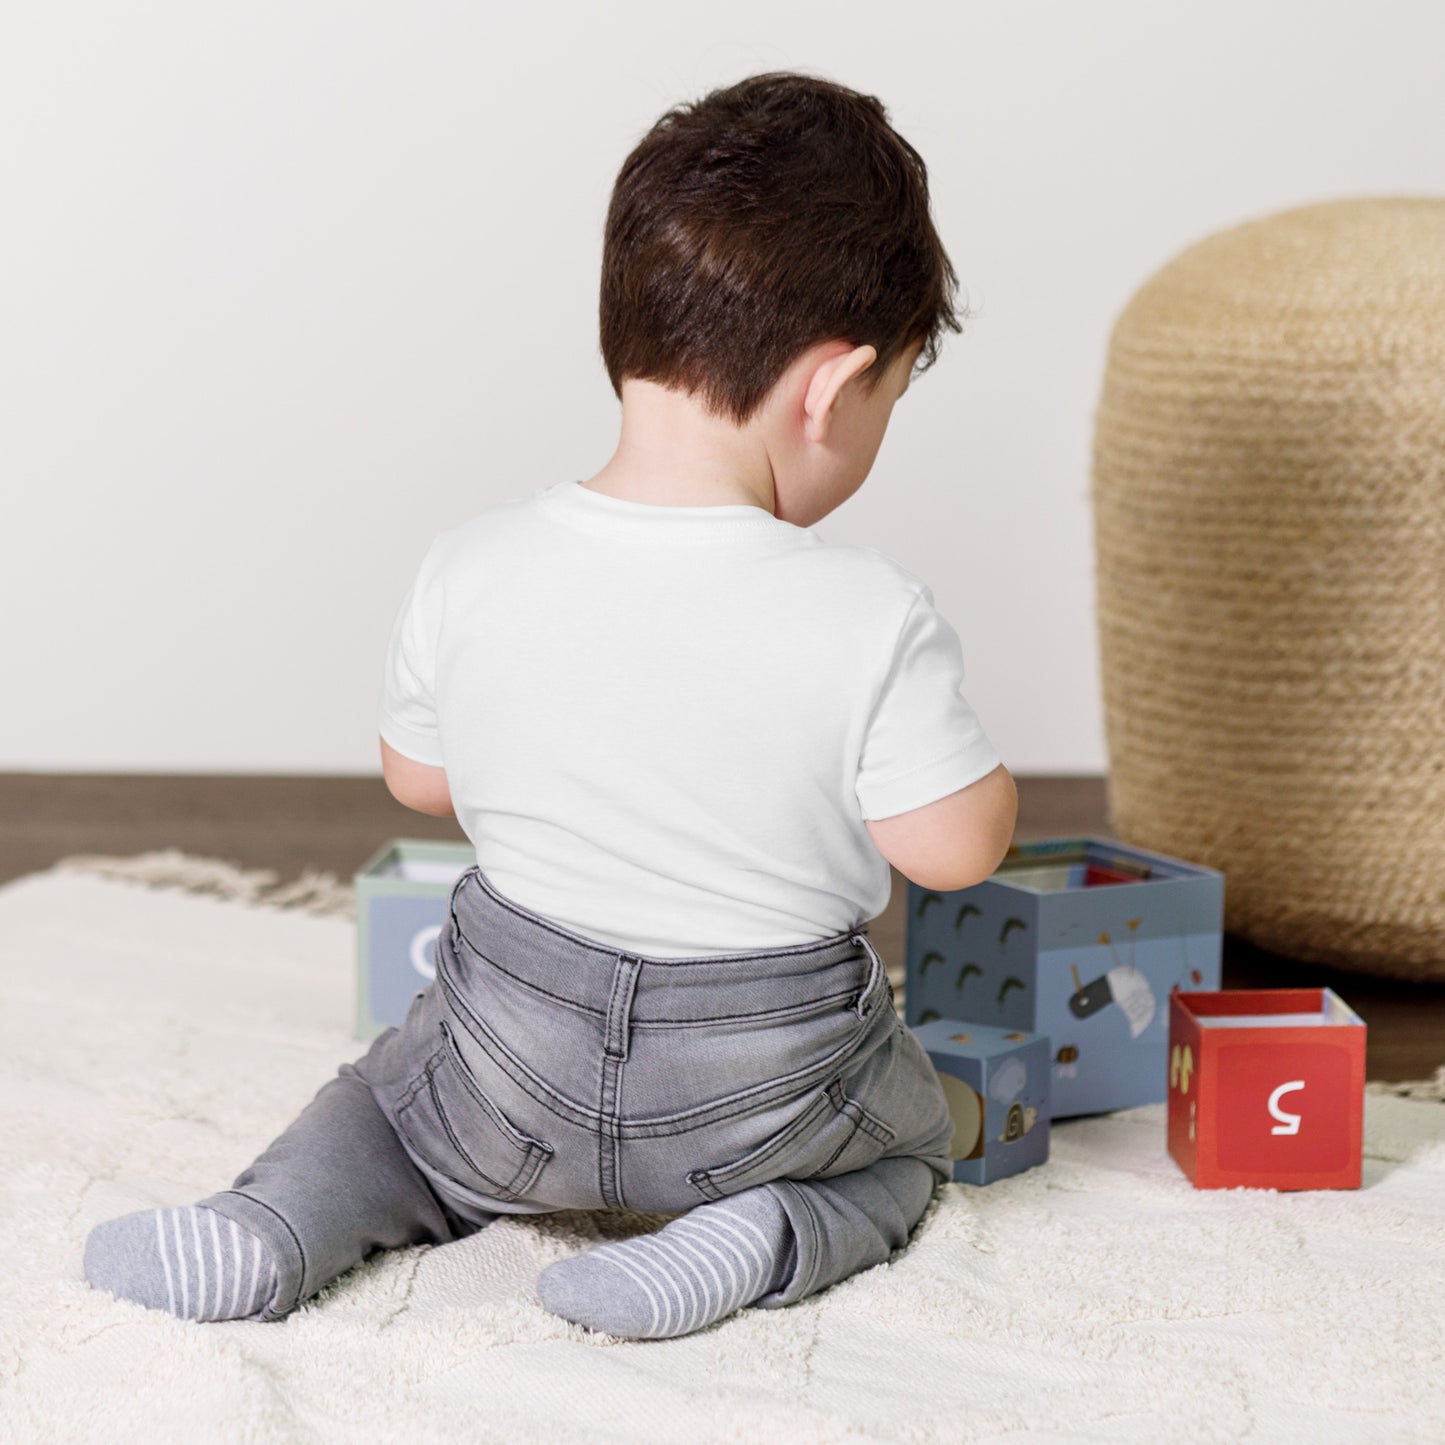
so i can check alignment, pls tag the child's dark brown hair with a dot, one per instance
(758, 221)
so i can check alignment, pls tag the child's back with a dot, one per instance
(664, 726)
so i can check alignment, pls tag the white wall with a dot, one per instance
(287, 287)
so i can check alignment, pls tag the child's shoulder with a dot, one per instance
(882, 578)
(489, 525)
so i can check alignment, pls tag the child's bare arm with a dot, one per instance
(955, 842)
(416, 785)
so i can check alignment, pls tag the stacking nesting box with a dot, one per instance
(996, 1082)
(1081, 939)
(402, 896)
(1266, 1089)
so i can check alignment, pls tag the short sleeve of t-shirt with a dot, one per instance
(407, 716)
(923, 740)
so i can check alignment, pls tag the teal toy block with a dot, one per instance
(1082, 939)
(403, 892)
(996, 1082)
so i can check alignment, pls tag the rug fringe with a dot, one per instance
(170, 868)
(1432, 1088)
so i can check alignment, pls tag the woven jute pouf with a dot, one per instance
(1269, 509)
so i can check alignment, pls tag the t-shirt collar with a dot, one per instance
(613, 516)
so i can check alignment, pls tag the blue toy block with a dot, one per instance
(996, 1082)
(1081, 939)
(402, 893)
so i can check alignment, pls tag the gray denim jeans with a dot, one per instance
(543, 1070)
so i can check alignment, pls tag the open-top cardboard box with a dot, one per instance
(1081, 939)
(1266, 1088)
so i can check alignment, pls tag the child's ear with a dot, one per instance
(828, 380)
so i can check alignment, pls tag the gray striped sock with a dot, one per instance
(712, 1260)
(190, 1260)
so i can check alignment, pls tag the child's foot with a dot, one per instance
(191, 1261)
(712, 1260)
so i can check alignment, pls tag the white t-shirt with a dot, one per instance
(663, 727)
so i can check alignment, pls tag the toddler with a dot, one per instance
(687, 737)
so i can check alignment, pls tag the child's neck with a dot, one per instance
(674, 453)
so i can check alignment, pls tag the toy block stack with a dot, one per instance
(1080, 940)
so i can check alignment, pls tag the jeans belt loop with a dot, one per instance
(872, 972)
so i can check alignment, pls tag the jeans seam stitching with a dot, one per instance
(533, 1151)
(525, 1143)
(494, 1186)
(848, 993)
(769, 1148)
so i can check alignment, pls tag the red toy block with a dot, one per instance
(1266, 1088)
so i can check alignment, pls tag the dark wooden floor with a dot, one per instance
(334, 824)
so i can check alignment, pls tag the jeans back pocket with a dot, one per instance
(832, 1134)
(453, 1129)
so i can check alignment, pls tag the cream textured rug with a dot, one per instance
(154, 1039)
